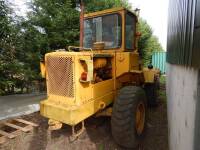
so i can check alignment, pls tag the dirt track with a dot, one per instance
(97, 136)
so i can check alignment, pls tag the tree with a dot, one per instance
(148, 43)
(60, 28)
(57, 20)
(94, 5)
(15, 70)
(6, 47)
(52, 24)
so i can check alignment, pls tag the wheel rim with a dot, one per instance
(140, 118)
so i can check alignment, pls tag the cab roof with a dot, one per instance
(107, 11)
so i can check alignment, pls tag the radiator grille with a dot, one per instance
(60, 76)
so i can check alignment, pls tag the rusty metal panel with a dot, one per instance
(181, 27)
(60, 76)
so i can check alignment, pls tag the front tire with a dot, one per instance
(128, 119)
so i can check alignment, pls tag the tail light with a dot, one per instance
(84, 76)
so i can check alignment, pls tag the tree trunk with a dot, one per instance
(12, 89)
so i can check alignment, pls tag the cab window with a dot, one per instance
(105, 29)
(130, 31)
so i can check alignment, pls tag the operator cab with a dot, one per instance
(113, 29)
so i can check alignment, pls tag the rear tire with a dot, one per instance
(127, 122)
(151, 90)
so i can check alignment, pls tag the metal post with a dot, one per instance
(81, 22)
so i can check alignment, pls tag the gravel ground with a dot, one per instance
(96, 137)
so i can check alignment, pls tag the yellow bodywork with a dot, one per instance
(70, 100)
(86, 99)
(150, 74)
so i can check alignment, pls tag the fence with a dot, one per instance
(159, 61)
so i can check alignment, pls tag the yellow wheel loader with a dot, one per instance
(104, 76)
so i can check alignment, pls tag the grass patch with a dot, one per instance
(162, 95)
(162, 91)
(163, 79)
(101, 147)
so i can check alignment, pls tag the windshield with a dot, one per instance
(105, 29)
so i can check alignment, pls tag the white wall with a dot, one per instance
(182, 97)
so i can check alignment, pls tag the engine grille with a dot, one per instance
(60, 76)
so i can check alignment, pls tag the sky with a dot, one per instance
(20, 6)
(153, 11)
